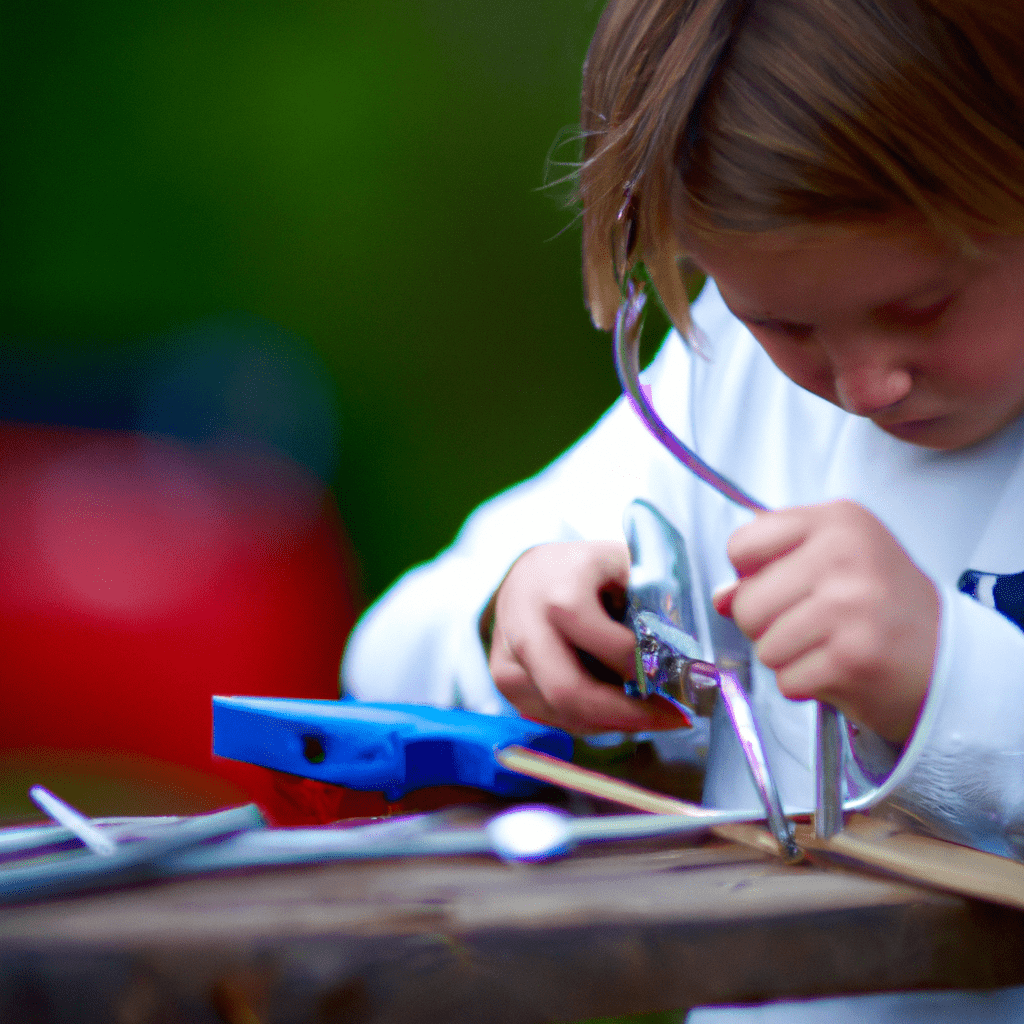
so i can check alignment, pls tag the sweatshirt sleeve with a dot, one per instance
(961, 775)
(420, 643)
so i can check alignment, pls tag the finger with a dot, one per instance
(595, 707)
(575, 696)
(766, 537)
(586, 707)
(610, 559)
(792, 635)
(515, 684)
(760, 599)
(603, 704)
(824, 661)
(530, 662)
(544, 679)
(599, 636)
(583, 616)
(811, 676)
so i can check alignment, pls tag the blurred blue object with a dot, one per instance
(391, 748)
(225, 381)
(241, 379)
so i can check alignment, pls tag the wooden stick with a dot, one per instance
(582, 780)
(865, 841)
(878, 843)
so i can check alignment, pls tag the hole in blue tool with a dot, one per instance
(313, 750)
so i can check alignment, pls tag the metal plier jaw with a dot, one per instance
(669, 662)
(660, 611)
(666, 665)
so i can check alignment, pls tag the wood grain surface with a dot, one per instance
(608, 931)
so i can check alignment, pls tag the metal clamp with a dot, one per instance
(659, 610)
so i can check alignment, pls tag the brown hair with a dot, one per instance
(756, 115)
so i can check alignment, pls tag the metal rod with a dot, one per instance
(743, 721)
(828, 807)
(629, 320)
(627, 339)
(64, 814)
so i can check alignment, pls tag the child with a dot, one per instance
(850, 176)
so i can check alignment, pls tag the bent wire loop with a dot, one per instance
(828, 817)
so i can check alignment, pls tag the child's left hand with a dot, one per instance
(838, 610)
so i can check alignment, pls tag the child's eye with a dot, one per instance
(782, 328)
(908, 316)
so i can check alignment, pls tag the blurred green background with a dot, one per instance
(355, 186)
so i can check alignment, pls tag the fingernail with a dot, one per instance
(722, 597)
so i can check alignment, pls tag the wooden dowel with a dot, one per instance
(553, 770)
(876, 842)
(865, 841)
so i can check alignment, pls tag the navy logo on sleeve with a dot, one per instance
(1004, 593)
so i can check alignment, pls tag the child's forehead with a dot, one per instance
(906, 233)
(801, 272)
(870, 235)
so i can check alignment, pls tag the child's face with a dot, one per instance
(887, 323)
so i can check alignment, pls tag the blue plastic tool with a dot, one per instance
(390, 748)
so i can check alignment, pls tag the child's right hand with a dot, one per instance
(547, 608)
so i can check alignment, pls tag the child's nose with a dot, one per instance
(868, 383)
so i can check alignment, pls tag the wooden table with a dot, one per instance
(604, 932)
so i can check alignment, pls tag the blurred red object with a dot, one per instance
(139, 577)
